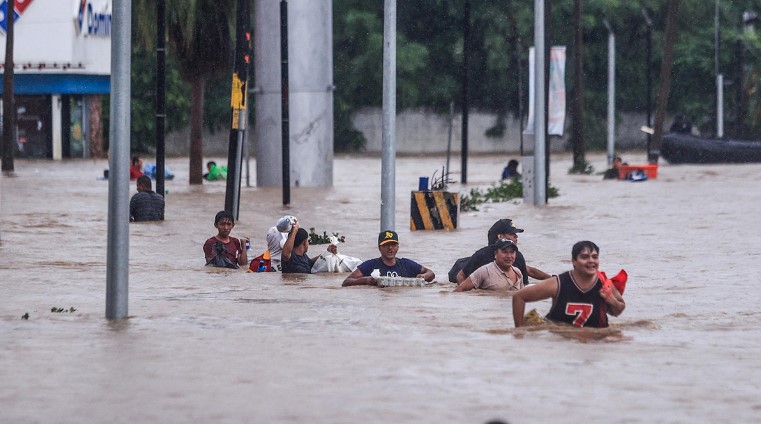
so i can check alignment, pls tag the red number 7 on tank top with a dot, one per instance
(581, 310)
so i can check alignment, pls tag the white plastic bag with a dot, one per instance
(335, 262)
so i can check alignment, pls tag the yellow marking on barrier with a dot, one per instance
(441, 204)
(425, 214)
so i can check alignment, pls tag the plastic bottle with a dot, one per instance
(262, 267)
(248, 250)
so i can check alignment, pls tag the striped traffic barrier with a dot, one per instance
(434, 210)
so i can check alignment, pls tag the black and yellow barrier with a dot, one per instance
(434, 210)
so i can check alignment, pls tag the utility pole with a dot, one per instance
(9, 102)
(388, 159)
(719, 75)
(285, 133)
(238, 108)
(648, 74)
(117, 245)
(611, 93)
(465, 101)
(160, 96)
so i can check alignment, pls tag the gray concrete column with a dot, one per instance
(310, 54)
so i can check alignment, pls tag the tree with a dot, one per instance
(200, 36)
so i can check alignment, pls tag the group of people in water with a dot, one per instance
(582, 296)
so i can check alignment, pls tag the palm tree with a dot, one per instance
(200, 36)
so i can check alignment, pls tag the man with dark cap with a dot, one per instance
(387, 264)
(502, 229)
(294, 255)
(500, 274)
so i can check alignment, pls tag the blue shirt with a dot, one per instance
(402, 268)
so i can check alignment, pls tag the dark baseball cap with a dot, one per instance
(504, 244)
(503, 226)
(387, 237)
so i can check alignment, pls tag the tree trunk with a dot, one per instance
(196, 127)
(578, 90)
(665, 84)
(9, 104)
(95, 118)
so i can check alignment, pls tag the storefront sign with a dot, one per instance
(93, 20)
(18, 8)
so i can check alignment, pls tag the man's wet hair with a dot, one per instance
(145, 181)
(222, 215)
(586, 244)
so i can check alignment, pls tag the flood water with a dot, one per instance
(224, 346)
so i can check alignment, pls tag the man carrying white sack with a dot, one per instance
(276, 237)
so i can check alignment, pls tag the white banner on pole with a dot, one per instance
(531, 65)
(556, 113)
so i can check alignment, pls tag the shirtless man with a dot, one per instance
(578, 296)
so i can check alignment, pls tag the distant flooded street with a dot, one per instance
(224, 346)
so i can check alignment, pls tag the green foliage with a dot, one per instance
(505, 191)
(143, 109)
(430, 58)
(582, 168)
(315, 238)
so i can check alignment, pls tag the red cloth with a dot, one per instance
(135, 173)
(618, 281)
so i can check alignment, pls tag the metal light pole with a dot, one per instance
(719, 76)
(540, 120)
(117, 248)
(388, 161)
(611, 93)
(648, 74)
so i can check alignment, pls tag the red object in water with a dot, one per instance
(618, 281)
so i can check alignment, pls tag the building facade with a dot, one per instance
(62, 66)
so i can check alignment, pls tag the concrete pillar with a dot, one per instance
(310, 54)
(56, 130)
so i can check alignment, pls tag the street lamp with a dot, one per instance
(648, 73)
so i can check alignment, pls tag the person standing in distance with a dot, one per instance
(146, 204)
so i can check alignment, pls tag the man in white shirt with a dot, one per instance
(276, 237)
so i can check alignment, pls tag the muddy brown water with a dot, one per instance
(209, 345)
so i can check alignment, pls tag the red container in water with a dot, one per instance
(651, 170)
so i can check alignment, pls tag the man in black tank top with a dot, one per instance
(578, 296)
